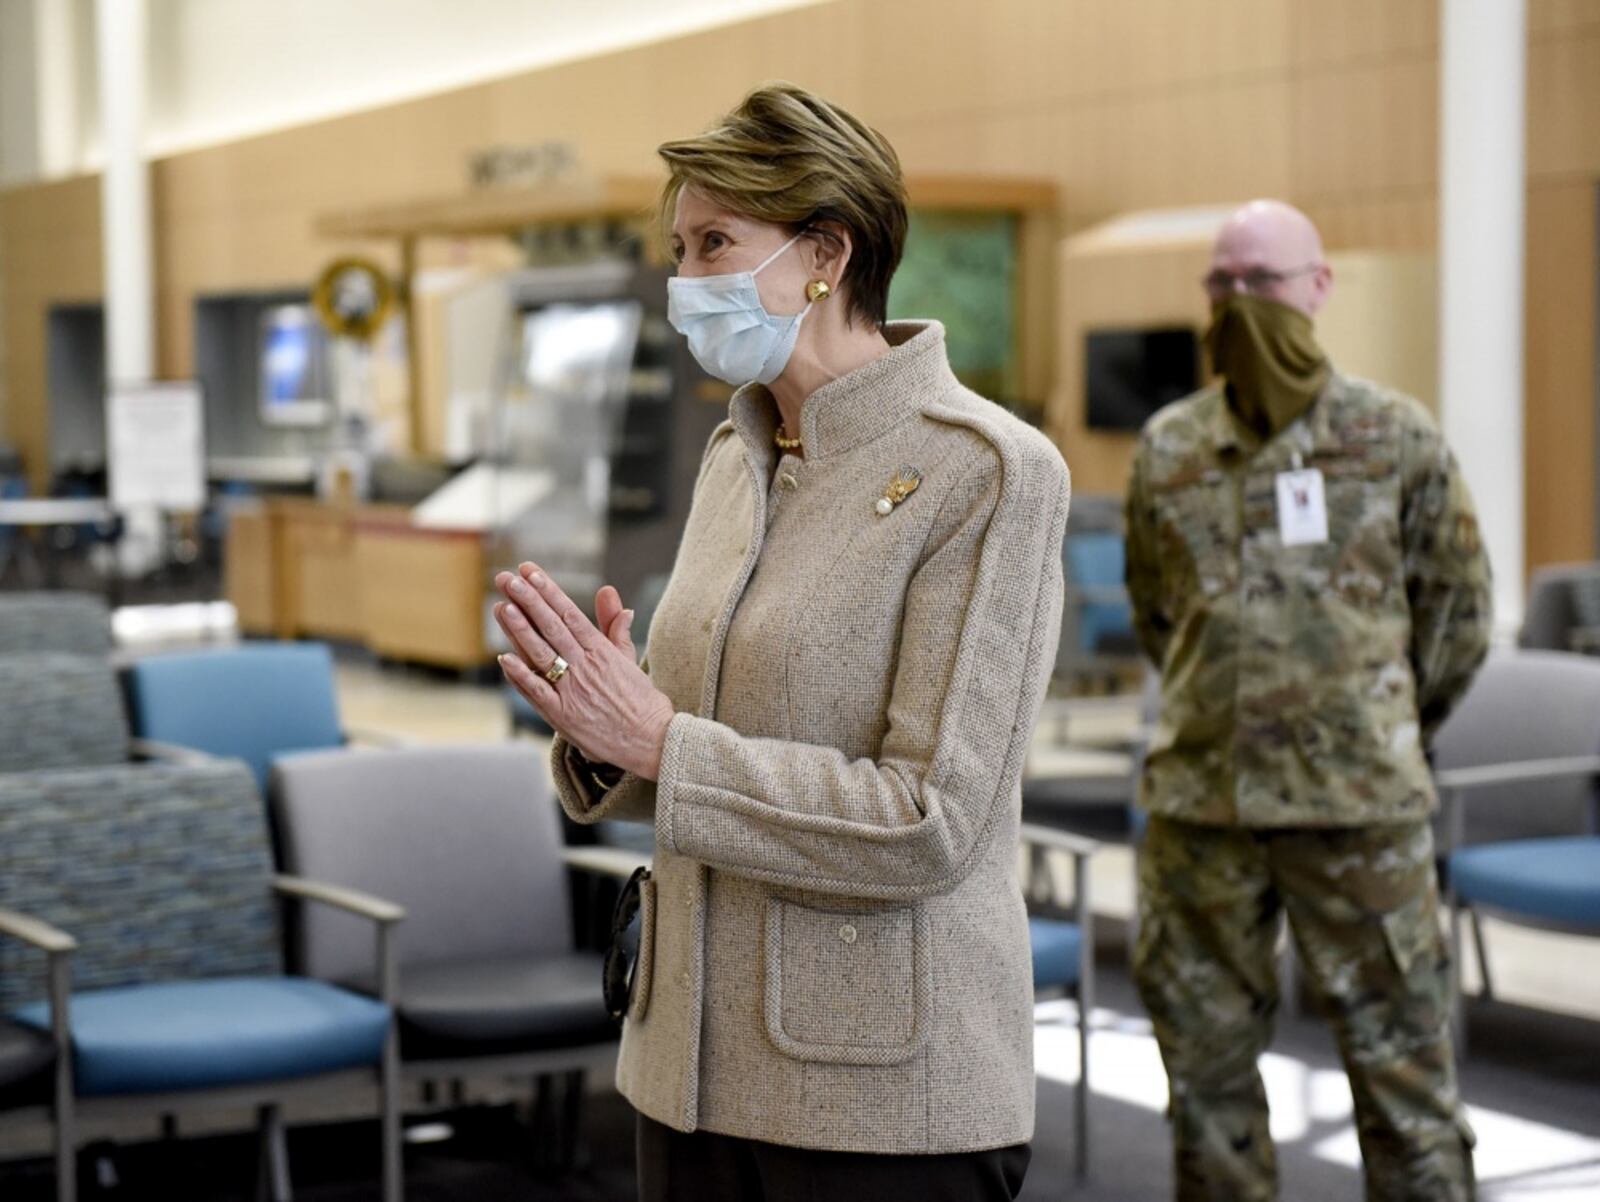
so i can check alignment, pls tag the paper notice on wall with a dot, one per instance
(156, 444)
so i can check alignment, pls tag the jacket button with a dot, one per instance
(683, 980)
(847, 933)
(789, 481)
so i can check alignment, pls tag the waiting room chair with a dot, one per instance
(36, 1066)
(254, 702)
(75, 623)
(1062, 941)
(1563, 611)
(66, 711)
(1099, 805)
(467, 840)
(1097, 638)
(163, 876)
(1517, 770)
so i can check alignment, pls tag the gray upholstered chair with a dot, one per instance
(467, 840)
(1518, 765)
(79, 623)
(1524, 707)
(66, 711)
(162, 874)
(1061, 938)
(1563, 611)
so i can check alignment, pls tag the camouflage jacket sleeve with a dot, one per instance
(1152, 624)
(1447, 577)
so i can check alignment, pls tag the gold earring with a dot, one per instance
(818, 290)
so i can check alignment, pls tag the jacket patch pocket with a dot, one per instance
(643, 969)
(847, 987)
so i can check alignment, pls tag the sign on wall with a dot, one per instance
(156, 446)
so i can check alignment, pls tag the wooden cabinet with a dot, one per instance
(422, 592)
(296, 568)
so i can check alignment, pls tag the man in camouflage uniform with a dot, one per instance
(1305, 569)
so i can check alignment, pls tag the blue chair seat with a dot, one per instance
(1557, 880)
(253, 702)
(215, 1033)
(1056, 945)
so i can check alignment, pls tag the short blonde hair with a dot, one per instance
(791, 158)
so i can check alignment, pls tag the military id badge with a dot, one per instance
(1302, 508)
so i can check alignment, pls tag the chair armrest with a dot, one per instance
(385, 915)
(58, 946)
(616, 862)
(1462, 780)
(364, 905)
(1048, 837)
(1455, 783)
(36, 933)
(168, 753)
(372, 737)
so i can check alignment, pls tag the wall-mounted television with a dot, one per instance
(1130, 373)
(295, 382)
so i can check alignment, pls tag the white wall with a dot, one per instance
(19, 135)
(224, 69)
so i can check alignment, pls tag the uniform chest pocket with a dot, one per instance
(847, 987)
(1198, 530)
(1362, 558)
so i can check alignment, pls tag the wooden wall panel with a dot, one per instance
(49, 253)
(1564, 104)
(1554, 17)
(1368, 128)
(1560, 366)
(1409, 221)
(1363, 31)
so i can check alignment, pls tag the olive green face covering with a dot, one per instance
(1270, 359)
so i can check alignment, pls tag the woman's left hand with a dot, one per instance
(604, 704)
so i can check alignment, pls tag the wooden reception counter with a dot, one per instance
(298, 568)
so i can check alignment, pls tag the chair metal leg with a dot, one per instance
(571, 1119)
(1080, 1116)
(545, 1140)
(389, 1066)
(65, 1136)
(1084, 916)
(272, 1182)
(1458, 1001)
(1482, 953)
(389, 1103)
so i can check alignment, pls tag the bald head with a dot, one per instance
(1275, 244)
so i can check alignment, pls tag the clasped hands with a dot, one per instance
(604, 705)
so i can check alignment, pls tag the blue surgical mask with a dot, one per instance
(730, 332)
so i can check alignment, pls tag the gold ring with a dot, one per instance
(556, 671)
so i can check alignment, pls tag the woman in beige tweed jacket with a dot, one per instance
(842, 679)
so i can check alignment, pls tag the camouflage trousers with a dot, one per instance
(1363, 909)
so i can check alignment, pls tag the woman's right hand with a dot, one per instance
(602, 701)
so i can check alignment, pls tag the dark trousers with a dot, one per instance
(704, 1167)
